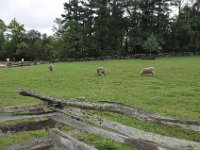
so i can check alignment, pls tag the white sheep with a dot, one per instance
(101, 71)
(149, 70)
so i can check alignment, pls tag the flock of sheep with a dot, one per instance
(101, 71)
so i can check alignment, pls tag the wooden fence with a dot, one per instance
(20, 63)
(53, 112)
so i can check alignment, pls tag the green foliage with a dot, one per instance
(2, 38)
(151, 45)
(2, 31)
(185, 32)
(17, 31)
(73, 40)
(93, 28)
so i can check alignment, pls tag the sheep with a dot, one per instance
(50, 67)
(149, 70)
(101, 71)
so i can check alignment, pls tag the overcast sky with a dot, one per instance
(34, 14)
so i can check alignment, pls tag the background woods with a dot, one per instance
(93, 28)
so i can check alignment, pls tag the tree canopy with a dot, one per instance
(93, 28)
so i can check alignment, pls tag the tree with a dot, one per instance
(72, 29)
(185, 32)
(101, 27)
(118, 25)
(16, 31)
(134, 34)
(109, 27)
(146, 17)
(151, 45)
(2, 39)
(33, 40)
(47, 50)
(16, 35)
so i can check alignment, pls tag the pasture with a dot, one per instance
(173, 91)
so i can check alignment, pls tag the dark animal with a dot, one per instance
(50, 68)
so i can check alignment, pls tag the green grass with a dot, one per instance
(15, 138)
(173, 91)
(101, 143)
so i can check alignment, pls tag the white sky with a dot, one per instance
(34, 14)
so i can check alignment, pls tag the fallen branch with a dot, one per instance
(138, 143)
(169, 142)
(40, 143)
(65, 141)
(117, 108)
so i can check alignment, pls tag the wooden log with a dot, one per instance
(12, 109)
(1, 134)
(65, 141)
(117, 108)
(17, 117)
(73, 132)
(44, 142)
(138, 143)
(44, 147)
(165, 141)
(56, 103)
(27, 126)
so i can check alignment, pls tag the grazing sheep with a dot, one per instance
(50, 67)
(149, 70)
(101, 71)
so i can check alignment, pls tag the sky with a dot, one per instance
(33, 14)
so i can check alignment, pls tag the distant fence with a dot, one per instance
(20, 63)
(180, 54)
(71, 112)
(136, 56)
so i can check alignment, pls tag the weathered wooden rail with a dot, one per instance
(54, 112)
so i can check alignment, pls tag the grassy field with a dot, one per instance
(173, 91)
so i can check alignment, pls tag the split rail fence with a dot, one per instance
(71, 113)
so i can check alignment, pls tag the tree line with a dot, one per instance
(17, 43)
(94, 28)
